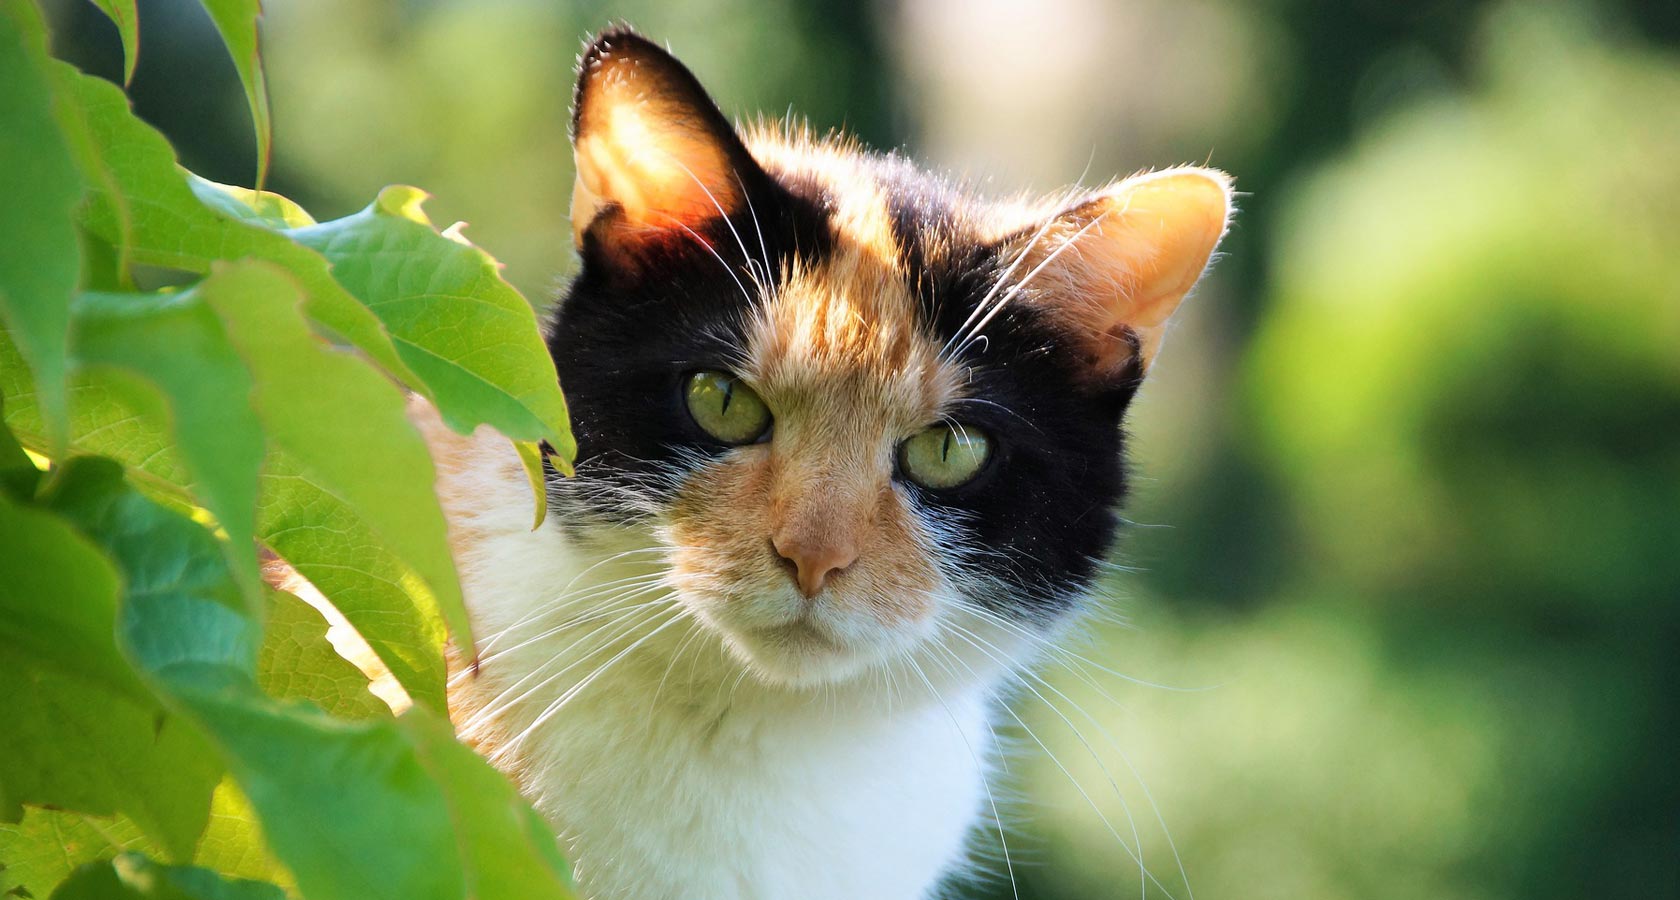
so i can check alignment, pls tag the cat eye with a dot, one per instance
(725, 408)
(947, 455)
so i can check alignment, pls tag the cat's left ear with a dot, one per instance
(1112, 268)
(654, 154)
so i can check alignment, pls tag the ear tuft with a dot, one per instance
(654, 155)
(1114, 267)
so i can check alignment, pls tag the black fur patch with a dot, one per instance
(1047, 507)
(623, 342)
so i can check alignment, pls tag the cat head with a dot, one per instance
(855, 403)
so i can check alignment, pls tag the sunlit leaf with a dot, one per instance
(302, 515)
(340, 429)
(531, 457)
(39, 257)
(366, 810)
(110, 414)
(466, 332)
(233, 842)
(176, 344)
(298, 663)
(169, 226)
(42, 850)
(264, 208)
(333, 546)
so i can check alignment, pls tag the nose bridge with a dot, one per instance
(822, 507)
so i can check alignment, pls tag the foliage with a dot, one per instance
(196, 377)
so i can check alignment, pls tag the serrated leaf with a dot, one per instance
(339, 427)
(145, 194)
(463, 330)
(300, 516)
(127, 20)
(357, 810)
(40, 257)
(132, 876)
(297, 662)
(237, 22)
(81, 732)
(176, 344)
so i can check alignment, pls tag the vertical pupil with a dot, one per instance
(728, 395)
(945, 448)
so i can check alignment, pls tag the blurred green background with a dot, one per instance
(1407, 543)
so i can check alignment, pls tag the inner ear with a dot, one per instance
(1111, 269)
(655, 157)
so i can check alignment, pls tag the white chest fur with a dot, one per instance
(669, 776)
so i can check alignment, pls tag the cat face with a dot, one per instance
(851, 401)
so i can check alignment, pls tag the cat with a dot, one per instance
(849, 456)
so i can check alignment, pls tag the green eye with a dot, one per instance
(944, 456)
(726, 408)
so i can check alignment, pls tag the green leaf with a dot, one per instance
(237, 21)
(176, 344)
(531, 457)
(338, 552)
(122, 13)
(132, 876)
(49, 844)
(467, 333)
(81, 732)
(366, 810)
(265, 208)
(111, 414)
(233, 844)
(298, 663)
(301, 516)
(145, 204)
(58, 603)
(340, 431)
(40, 257)
(18, 474)
(510, 848)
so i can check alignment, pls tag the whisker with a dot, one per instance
(1020, 286)
(1135, 855)
(496, 707)
(991, 801)
(560, 702)
(1023, 673)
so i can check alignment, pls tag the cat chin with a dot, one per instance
(806, 651)
(797, 655)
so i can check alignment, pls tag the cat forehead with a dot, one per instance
(852, 315)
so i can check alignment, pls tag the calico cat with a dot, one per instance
(849, 456)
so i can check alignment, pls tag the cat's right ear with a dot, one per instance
(655, 158)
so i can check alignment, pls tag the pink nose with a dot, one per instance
(813, 561)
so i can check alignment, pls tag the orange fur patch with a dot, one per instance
(839, 358)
